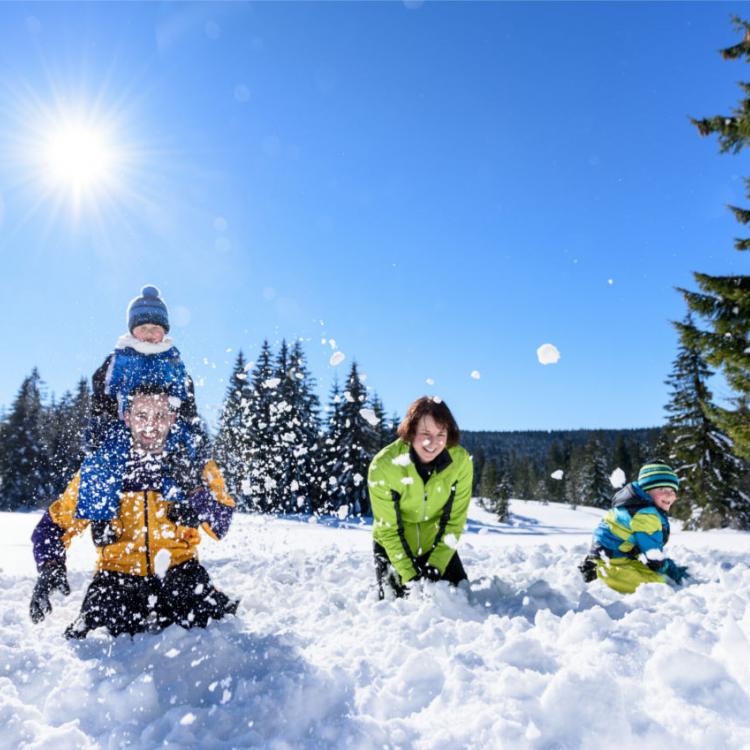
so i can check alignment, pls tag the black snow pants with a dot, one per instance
(133, 604)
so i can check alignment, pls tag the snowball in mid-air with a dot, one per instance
(558, 474)
(475, 374)
(548, 354)
(369, 416)
(336, 359)
(617, 478)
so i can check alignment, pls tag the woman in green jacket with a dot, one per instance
(420, 487)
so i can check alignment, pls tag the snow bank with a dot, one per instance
(522, 656)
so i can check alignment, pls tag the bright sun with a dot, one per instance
(78, 156)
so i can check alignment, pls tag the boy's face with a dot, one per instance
(664, 498)
(150, 332)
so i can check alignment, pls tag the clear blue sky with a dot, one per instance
(440, 187)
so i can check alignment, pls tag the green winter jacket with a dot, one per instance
(411, 518)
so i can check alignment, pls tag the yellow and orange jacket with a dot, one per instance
(142, 526)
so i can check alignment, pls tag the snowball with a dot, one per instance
(617, 478)
(187, 719)
(161, 562)
(336, 359)
(475, 374)
(369, 416)
(402, 460)
(430, 381)
(557, 474)
(548, 354)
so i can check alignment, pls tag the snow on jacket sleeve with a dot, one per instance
(443, 551)
(647, 530)
(385, 518)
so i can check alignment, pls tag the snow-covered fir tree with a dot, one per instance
(263, 462)
(724, 301)
(294, 416)
(232, 444)
(351, 442)
(711, 475)
(65, 425)
(24, 461)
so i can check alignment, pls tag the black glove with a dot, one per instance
(425, 571)
(103, 533)
(52, 577)
(186, 513)
(588, 568)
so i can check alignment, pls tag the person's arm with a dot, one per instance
(386, 517)
(648, 537)
(456, 518)
(209, 507)
(50, 540)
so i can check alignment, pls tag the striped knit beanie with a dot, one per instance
(657, 474)
(148, 308)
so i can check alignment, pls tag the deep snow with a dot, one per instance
(525, 656)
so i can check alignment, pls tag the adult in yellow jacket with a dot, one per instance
(420, 487)
(148, 575)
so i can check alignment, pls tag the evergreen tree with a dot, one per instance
(263, 462)
(622, 458)
(25, 469)
(557, 461)
(351, 443)
(594, 487)
(232, 446)
(724, 301)
(494, 488)
(294, 414)
(65, 425)
(710, 473)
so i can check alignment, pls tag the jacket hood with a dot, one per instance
(632, 497)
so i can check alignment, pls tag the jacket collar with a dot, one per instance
(128, 341)
(442, 461)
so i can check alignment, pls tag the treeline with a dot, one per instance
(571, 466)
(280, 450)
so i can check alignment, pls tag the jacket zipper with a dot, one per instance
(145, 526)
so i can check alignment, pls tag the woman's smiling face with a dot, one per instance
(429, 439)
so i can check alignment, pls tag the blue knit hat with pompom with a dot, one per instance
(148, 308)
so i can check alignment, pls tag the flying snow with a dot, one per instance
(548, 354)
(336, 359)
(617, 478)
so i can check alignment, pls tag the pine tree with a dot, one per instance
(294, 414)
(724, 301)
(494, 488)
(259, 418)
(593, 478)
(65, 425)
(25, 468)
(351, 443)
(232, 446)
(710, 473)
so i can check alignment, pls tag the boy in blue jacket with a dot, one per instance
(145, 356)
(628, 545)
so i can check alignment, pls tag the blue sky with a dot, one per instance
(440, 188)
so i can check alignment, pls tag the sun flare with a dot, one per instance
(79, 156)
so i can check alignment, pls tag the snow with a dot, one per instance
(336, 359)
(522, 656)
(476, 374)
(369, 416)
(617, 478)
(548, 354)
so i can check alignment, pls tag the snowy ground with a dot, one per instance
(523, 657)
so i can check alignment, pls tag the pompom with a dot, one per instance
(150, 291)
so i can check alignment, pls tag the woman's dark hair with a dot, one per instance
(429, 406)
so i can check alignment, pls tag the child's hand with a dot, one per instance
(678, 573)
